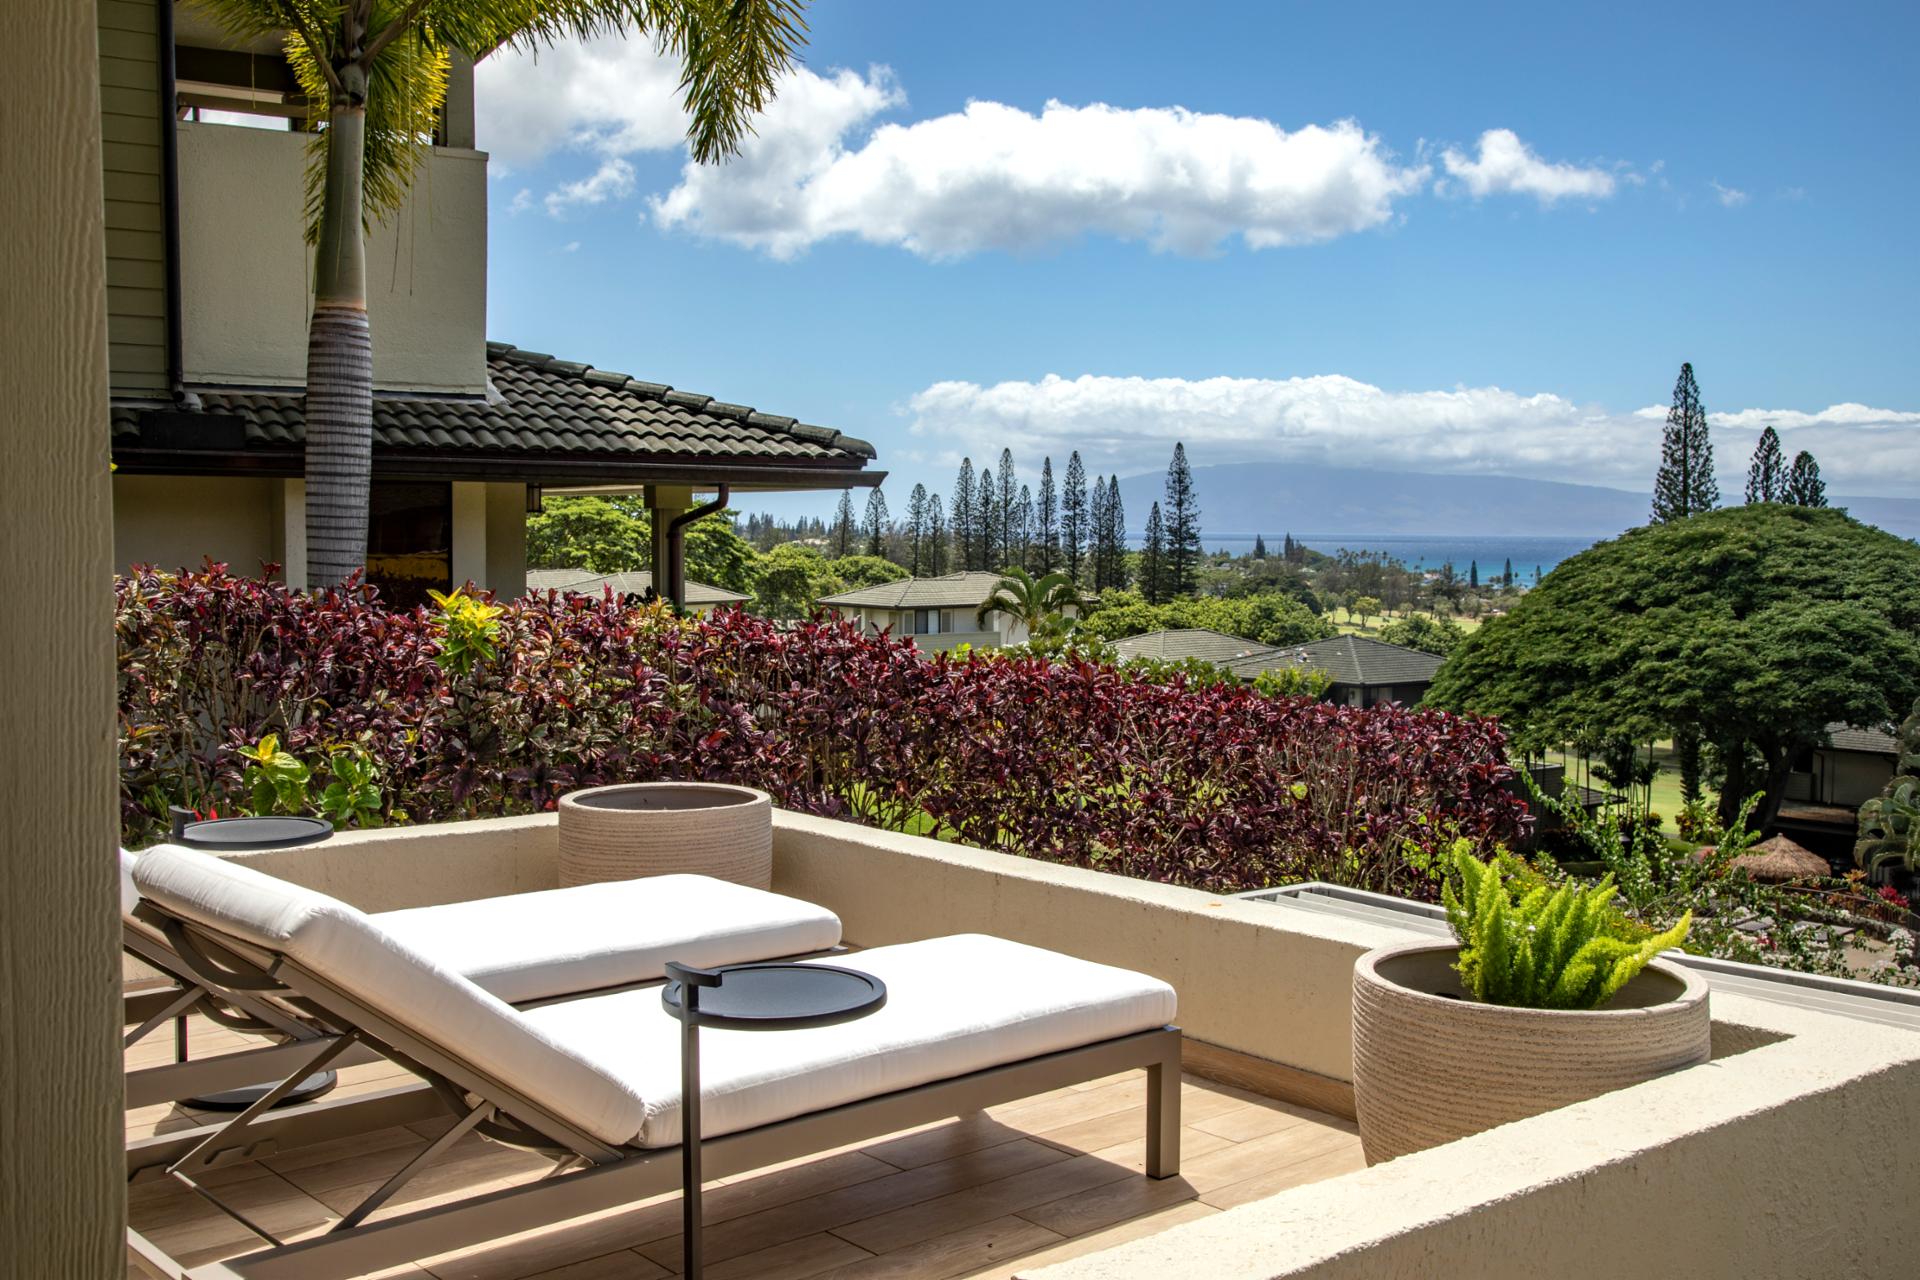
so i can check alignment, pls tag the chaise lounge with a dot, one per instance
(970, 1022)
(528, 947)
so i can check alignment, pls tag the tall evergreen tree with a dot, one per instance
(1506, 578)
(962, 515)
(1259, 547)
(1097, 525)
(1685, 485)
(1182, 569)
(1007, 501)
(917, 530)
(987, 523)
(936, 537)
(1153, 559)
(1473, 574)
(1804, 487)
(843, 525)
(1116, 534)
(1074, 528)
(1020, 531)
(1046, 522)
(1767, 473)
(876, 523)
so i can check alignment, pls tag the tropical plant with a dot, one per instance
(1029, 601)
(469, 625)
(1535, 945)
(276, 780)
(1890, 822)
(377, 72)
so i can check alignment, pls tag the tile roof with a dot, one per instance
(536, 406)
(1350, 660)
(1189, 642)
(635, 582)
(952, 591)
(1877, 741)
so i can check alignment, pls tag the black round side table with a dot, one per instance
(239, 835)
(748, 997)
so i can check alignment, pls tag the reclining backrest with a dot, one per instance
(351, 951)
(129, 893)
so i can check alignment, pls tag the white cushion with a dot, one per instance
(351, 951)
(530, 946)
(954, 1005)
(129, 894)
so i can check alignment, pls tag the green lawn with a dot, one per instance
(1666, 782)
(1349, 625)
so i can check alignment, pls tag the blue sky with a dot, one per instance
(1257, 278)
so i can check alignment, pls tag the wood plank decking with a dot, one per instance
(1016, 1187)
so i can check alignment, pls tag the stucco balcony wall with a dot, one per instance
(1787, 1155)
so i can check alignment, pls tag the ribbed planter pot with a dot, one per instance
(1430, 1066)
(661, 828)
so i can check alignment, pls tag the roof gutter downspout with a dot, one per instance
(676, 585)
(170, 196)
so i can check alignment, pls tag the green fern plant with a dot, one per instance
(1533, 944)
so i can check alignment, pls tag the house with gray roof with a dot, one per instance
(208, 302)
(701, 597)
(1183, 643)
(1830, 782)
(937, 613)
(1365, 671)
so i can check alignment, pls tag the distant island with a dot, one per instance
(1273, 497)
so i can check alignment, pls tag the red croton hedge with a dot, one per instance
(1069, 761)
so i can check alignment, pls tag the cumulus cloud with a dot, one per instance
(1504, 165)
(614, 96)
(1731, 197)
(997, 177)
(1128, 424)
(611, 181)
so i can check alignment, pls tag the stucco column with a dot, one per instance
(290, 535)
(664, 502)
(468, 561)
(61, 1124)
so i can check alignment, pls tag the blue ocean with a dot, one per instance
(1491, 550)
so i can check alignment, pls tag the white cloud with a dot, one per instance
(611, 181)
(997, 177)
(571, 246)
(612, 95)
(1731, 197)
(1507, 166)
(1128, 424)
(522, 201)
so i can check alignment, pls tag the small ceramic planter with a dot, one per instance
(662, 828)
(1430, 1066)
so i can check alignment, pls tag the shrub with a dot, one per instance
(1058, 758)
(1528, 943)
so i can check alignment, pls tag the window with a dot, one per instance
(409, 541)
(929, 622)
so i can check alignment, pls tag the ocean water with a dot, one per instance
(1491, 550)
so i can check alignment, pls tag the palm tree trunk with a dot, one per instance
(339, 450)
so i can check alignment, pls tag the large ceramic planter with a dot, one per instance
(661, 828)
(1430, 1066)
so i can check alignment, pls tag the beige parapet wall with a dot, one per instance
(1789, 1154)
(1790, 1159)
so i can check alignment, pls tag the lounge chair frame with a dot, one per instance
(588, 1175)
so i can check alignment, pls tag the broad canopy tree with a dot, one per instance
(1752, 627)
(376, 72)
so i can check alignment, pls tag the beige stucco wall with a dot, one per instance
(62, 1177)
(246, 277)
(506, 560)
(173, 522)
(1790, 1160)
(1785, 1156)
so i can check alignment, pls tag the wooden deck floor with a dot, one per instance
(1032, 1182)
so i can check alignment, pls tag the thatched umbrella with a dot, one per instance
(1779, 860)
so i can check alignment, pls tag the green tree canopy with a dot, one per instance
(1429, 635)
(613, 535)
(792, 577)
(1753, 627)
(864, 571)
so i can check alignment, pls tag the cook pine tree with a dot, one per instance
(843, 525)
(1767, 473)
(1153, 558)
(1074, 528)
(1006, 502)
(1685, 485)
(1046, 523)
(1116, 535)
(1182, 518)
(1804, 487)
(877, 522)
(962, 513)
(916, 529)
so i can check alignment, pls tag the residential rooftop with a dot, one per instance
(1350, 660)
(950, 591)
(1189, 642)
